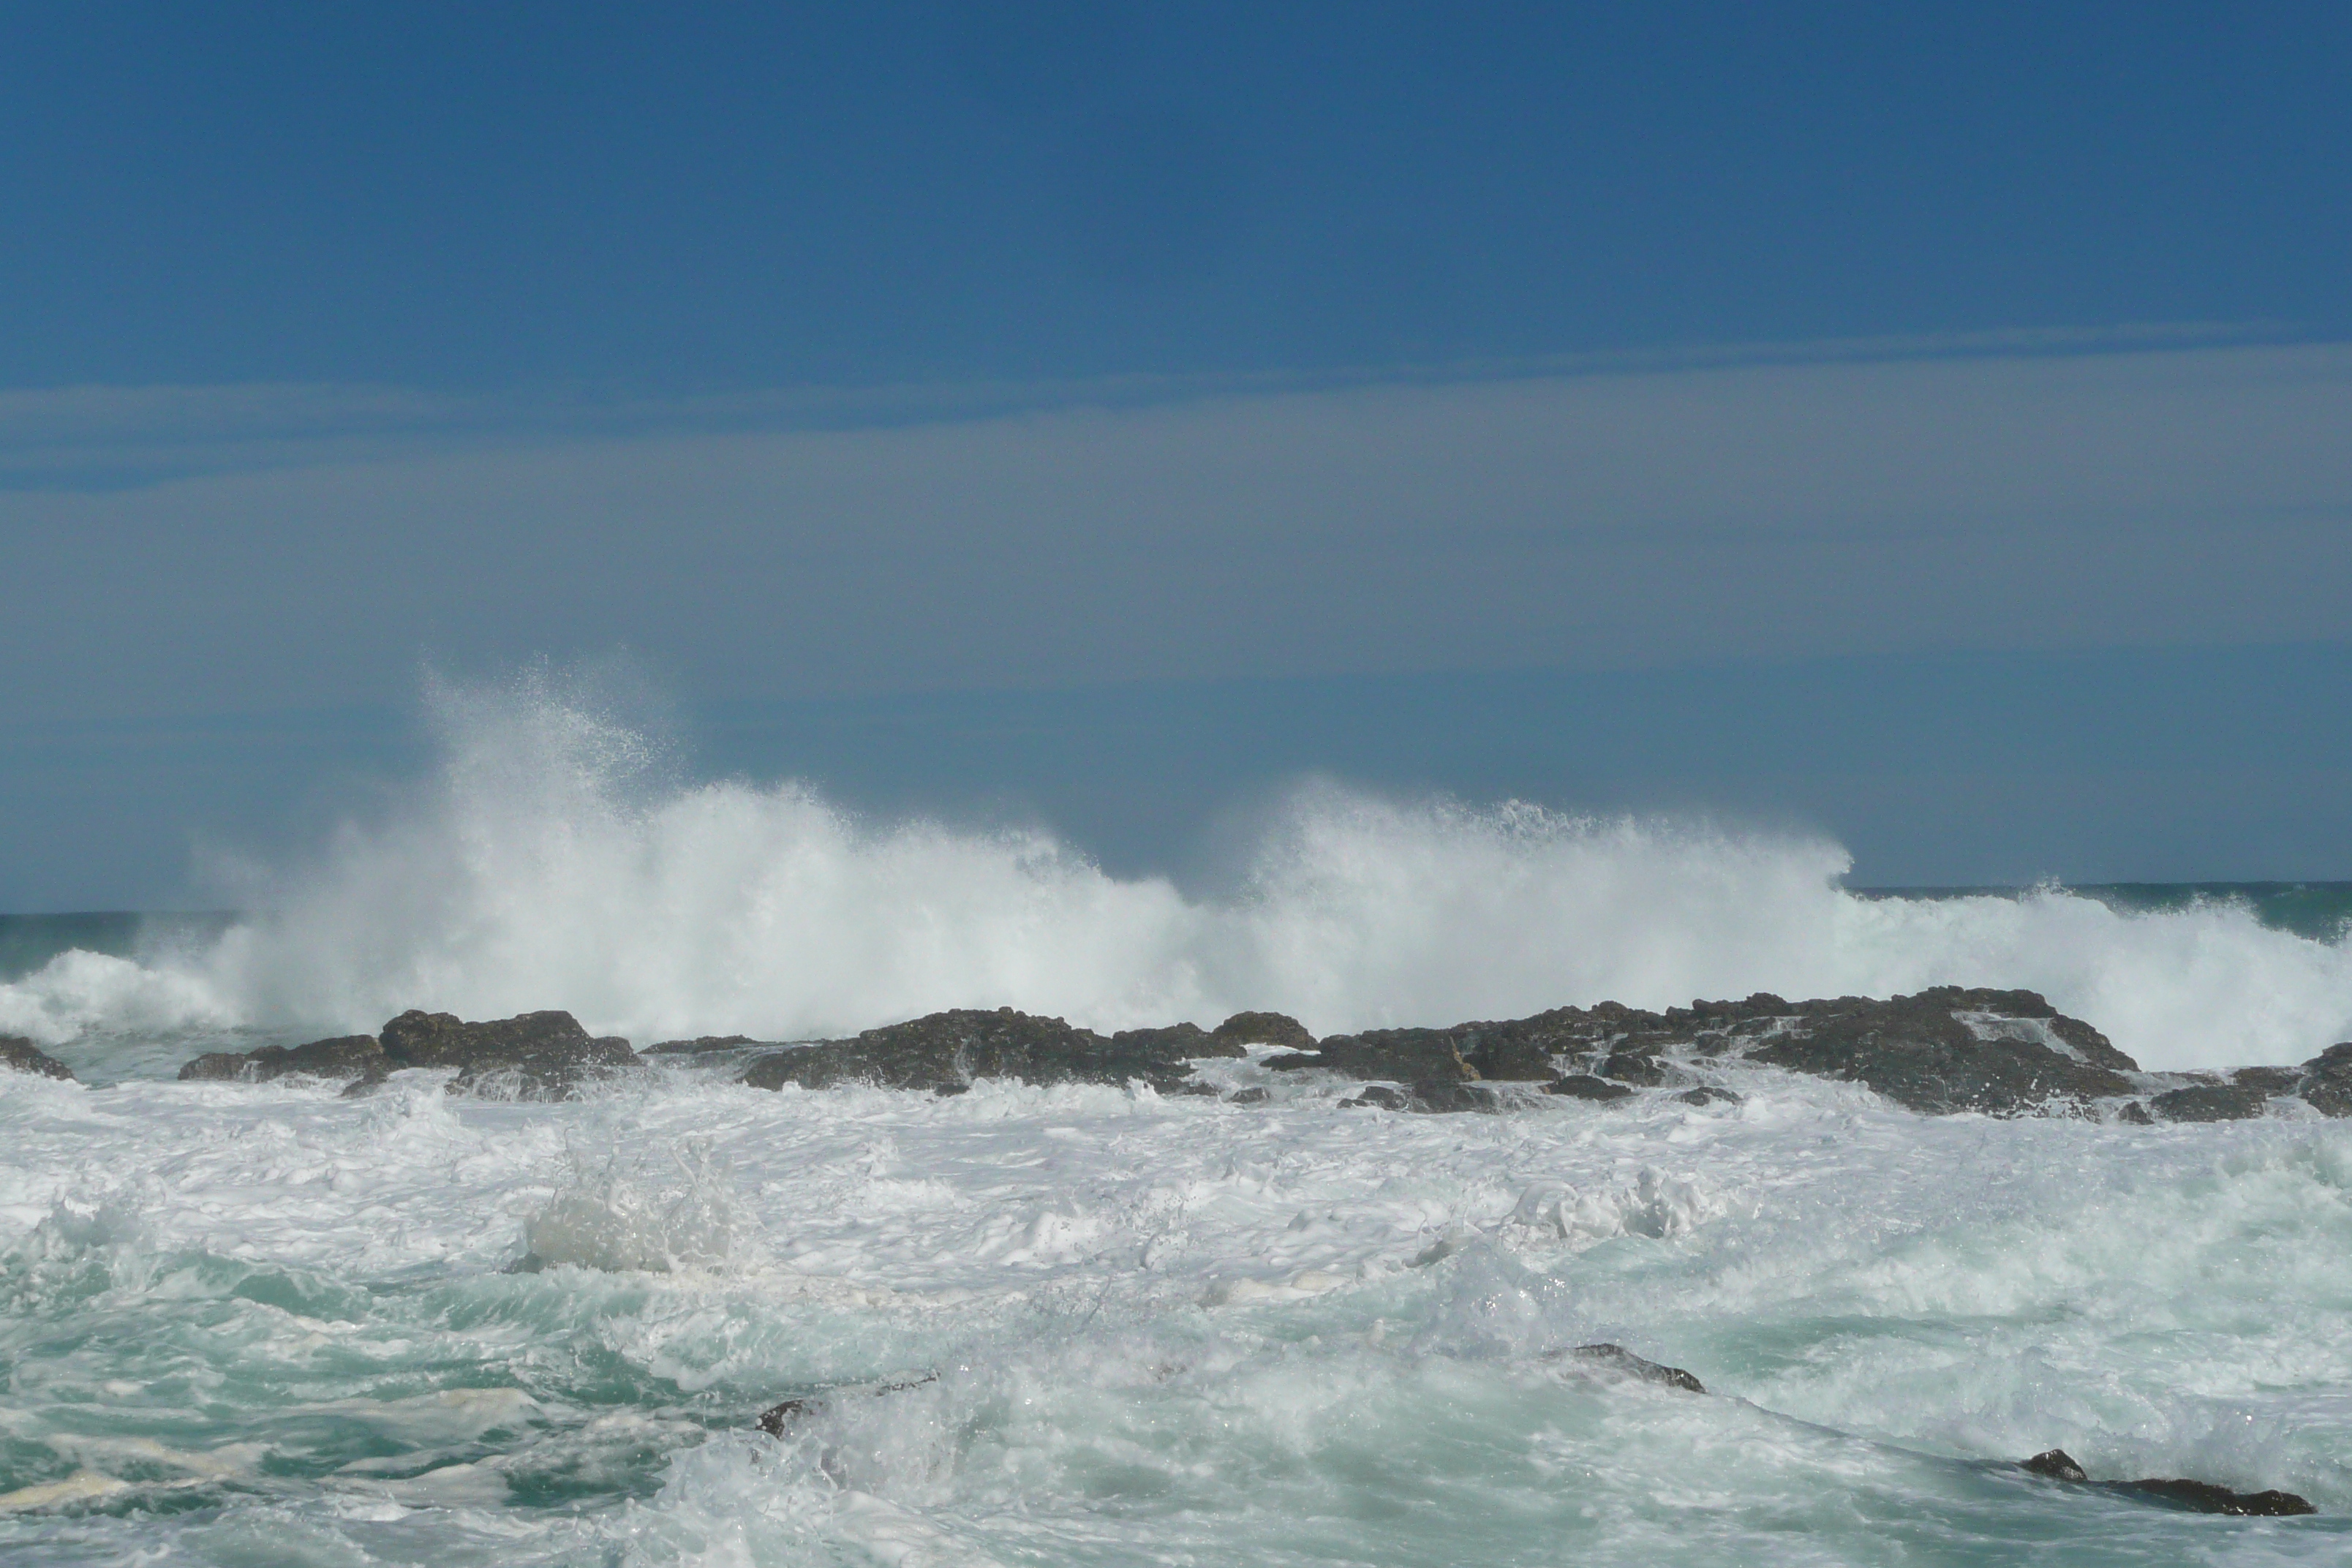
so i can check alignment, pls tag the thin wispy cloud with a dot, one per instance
(2154, 496)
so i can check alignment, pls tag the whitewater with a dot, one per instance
(261, 1324)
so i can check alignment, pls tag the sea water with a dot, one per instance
(263, 1324)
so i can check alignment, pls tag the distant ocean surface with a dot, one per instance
(263, 1325)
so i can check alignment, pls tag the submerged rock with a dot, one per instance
(947, 1052)
(2204, 1496)
(533, 1056)
(21, 1055)
(1622, 1360)
(2057, 1464)
(781, 1416)
(2199, 1497)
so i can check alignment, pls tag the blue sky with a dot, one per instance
(1202, 378)
(685, 199)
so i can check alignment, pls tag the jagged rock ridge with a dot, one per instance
(533, 1056)
(1942, 1050)
(1939, 1051)
(947, 1052)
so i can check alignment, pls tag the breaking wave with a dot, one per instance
(551, 862)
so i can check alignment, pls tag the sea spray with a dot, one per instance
(607, 1218)
(553, 862)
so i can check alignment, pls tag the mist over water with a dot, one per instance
(557, 859)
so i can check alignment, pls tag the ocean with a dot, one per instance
(263, 1324)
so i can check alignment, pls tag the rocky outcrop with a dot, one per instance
(704, 1045)
(2327, 1082)
(1264, 1029)
(946, 1053)
(346, 1056)
(2209, 1102)
(1942, 1050)
(1518, 1050)
(533, 1056)
(2322, 1083)
(2199, 1496)
(1937, 1052)
(18, 1054)
(1946, 1049)
(1589, 1086)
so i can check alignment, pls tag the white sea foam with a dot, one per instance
(548, 864)
(1088, 1325)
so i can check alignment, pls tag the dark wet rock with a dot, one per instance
(781, 1416)
(949, 1052)
(2198, 1497)
(1946, 1049)
(2094, 1046)
(1177, 1042)
(1620, 1359)
(1942, 1050)
(2136, 1113)
(1636, 1066)
(1708, 1094)
(1378, 1095)
(2268, 1080)
(1584, 1085)
(2209, 1102)
(550, 1072)
(1249, 1097)
(1521, 1050)
(533, 1055)
(2203, 1497)
(785, 1414)
(344, 1056)
(2057, 1464)
(1409, 1055)
(1266, 1030)
(421, 1039)
(2327, 1081)
(21, 1055)
(701, 1045)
